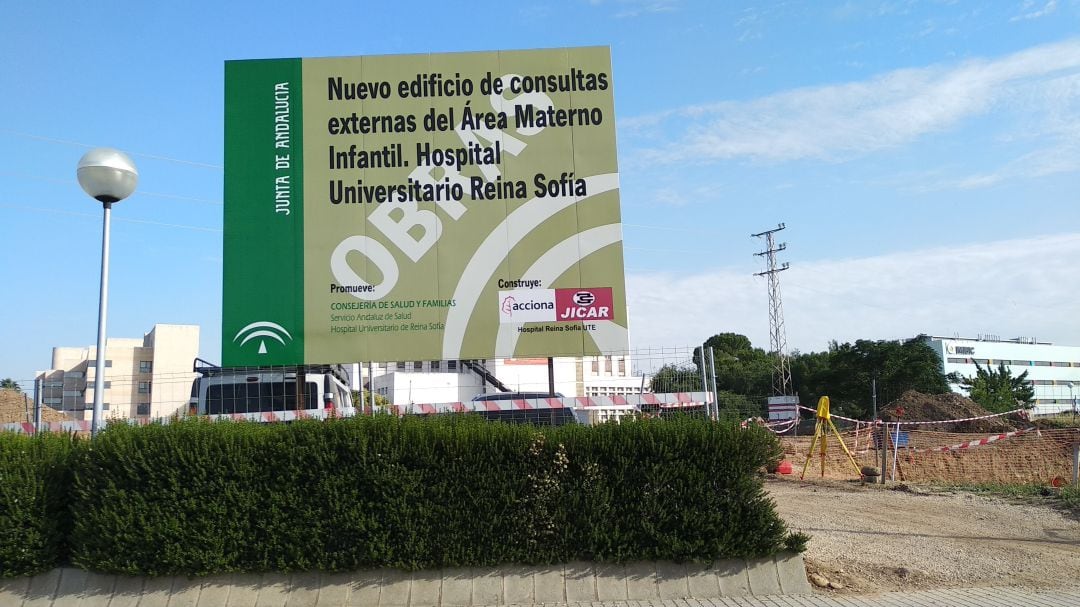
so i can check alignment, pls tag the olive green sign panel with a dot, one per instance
(422, 207)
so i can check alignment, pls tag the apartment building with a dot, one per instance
(148, 377)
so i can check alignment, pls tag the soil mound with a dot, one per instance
(917, 406)
(14, 406)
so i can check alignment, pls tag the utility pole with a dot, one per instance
(777, 336)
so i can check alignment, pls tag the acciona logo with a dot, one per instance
(527, 305)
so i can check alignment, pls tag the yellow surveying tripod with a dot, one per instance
(820, 435)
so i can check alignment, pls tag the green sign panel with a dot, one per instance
(421, 207)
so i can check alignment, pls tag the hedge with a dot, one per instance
(35, 477)
(197, 497)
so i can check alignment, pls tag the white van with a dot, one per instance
(314, 390)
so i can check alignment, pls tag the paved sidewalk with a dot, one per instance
(954, 597)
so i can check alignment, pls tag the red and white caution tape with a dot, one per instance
(1020, 412)
(976, 443)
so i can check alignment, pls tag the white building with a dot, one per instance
(446, 381)
(144, 377)
(1054, 371)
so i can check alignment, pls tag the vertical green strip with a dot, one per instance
(262, 294)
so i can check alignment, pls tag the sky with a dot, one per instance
(923, 155)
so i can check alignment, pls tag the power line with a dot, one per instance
(204, 165)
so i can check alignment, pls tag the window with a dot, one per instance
(1059, 364)
(1041, 363)
(451, 365)
(435, 365)
(596, 366)
(622, 366)
(146, 366)
(418, 365)
(258, 397)
(142, 409)
(144, 387)
(958, 361)
(93, 363)
(401, 365)
(91, 385)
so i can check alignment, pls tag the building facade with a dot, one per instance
(1054, 371)
(148, 377)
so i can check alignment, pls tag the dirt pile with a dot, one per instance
(917, 406)
(14, 406)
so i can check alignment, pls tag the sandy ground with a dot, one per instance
(873, 539)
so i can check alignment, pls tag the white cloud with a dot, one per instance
(1008, 288)
(635, 8)
(1028, 14)
(841, 121)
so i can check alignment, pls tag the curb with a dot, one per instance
(468, 587)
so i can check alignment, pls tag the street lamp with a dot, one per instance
(108, 176)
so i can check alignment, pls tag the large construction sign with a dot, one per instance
(421, 207)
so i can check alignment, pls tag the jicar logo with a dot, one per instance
(261, 331)
(584, 304)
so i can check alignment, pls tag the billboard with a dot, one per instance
(421, 207)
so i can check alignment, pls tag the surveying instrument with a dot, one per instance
(821, 437)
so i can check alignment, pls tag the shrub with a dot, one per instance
(196, 497)
(34, 519)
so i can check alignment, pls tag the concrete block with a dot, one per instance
(14, 590)
(155, 591)
(671, 580)
(426, 589)
(364, 588)
(518, 585)
(701, 581)
(185, 592)
(792, 573)
(395, 588)
(216, 590)
(304, 589)
(456, 589)
(731, 574)
(610, 582)
(42, 589)
(580, 582)
(641, 581)
(549, 585)
(334, 589)
(273, 590)
(97, 590)
(763, 578)
(71, 585)
(244, 590)
(487, 587)
(127, 591)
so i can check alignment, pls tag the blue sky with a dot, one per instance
(924, 155)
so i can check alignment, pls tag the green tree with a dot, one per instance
(380, 400)
(852, 368)
(740, 367)
(673, 378)
(10, 384)
(997, 390)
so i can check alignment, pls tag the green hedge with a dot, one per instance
(35, 477)
(197, 497)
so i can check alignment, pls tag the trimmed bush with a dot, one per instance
(197, 498)
(34, 519)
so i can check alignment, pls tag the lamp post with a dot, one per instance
(108, 176)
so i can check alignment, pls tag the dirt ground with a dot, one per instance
(872, 539)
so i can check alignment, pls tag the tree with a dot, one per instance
(740, 367)
(672, 378)
(10, 384)
(997, 390)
